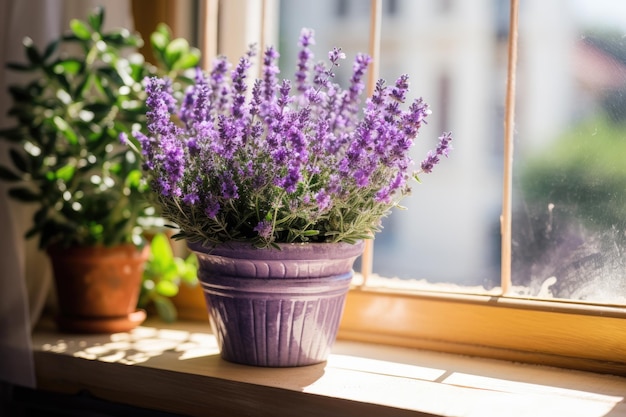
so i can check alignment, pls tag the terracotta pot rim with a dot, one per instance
(127, 249)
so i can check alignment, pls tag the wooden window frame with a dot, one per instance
(567, 334)
(563, 334)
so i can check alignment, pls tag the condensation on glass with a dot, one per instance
(569, 216)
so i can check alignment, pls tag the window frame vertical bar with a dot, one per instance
(367, 259)
(263, 35)
(509, 128)
(209, 15)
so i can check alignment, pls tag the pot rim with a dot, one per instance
(123, 249)
(295, 251)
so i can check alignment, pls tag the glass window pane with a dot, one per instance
(569, 221)
(455, 55)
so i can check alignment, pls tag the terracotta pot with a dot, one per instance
(98, 287)
(272, 307)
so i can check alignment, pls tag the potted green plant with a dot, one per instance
(88, 87)
(275, 190)
(164, 275)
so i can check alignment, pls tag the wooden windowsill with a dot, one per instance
(177, 369)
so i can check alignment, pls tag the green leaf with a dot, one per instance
(158, 41)
(8, 175)
(165, 30)
(100, 110)
(139, 68)
(162, 254)
(189, 60)
(80, 29)
(68, 66)
(166, 288)
(122, 38)
(61, 79)
(133, 179)
(65, 173)
(21, 94)
(83, 87)
(40, 217)
(19, 67)
(165, 309)
(25, 195)
(96, 19)
(188, 269)
(310, 233)
(18, 160)
(51, 49)
(134, 40)
(175, 50)
(31, 51)
(65, 129)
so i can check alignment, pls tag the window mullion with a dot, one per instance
(374, 52)
(509, 119)
(209, 12)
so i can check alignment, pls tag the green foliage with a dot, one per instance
(86, 89)
(583, 174)
(163, 275)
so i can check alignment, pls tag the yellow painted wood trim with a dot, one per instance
(565, 334)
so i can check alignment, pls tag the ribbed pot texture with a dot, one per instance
(276, 308)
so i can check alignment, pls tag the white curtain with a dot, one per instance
(25, 277)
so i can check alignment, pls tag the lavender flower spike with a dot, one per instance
(307, 38)
(289, 161)
(432, 158)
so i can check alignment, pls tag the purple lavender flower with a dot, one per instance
(398, 93)
(270, 70)
(212, 206)
(444, 146)
(160, 103)
(323, 199)
(319, 75)
(191, 198)
(361, 62)
(304, 57)
(290, 181)
(284, 98)
(220, 90)
(313, 156)
(239, 76)
(264, 229)
(173, 165)
(432, 158)
(228, 186)
(334, 57)
(413, 119)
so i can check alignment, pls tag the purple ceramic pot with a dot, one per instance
(277, 308)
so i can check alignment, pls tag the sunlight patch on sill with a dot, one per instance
(504, 385)
(381, 367)
(141, 344)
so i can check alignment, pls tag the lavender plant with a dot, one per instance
(283, 162)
